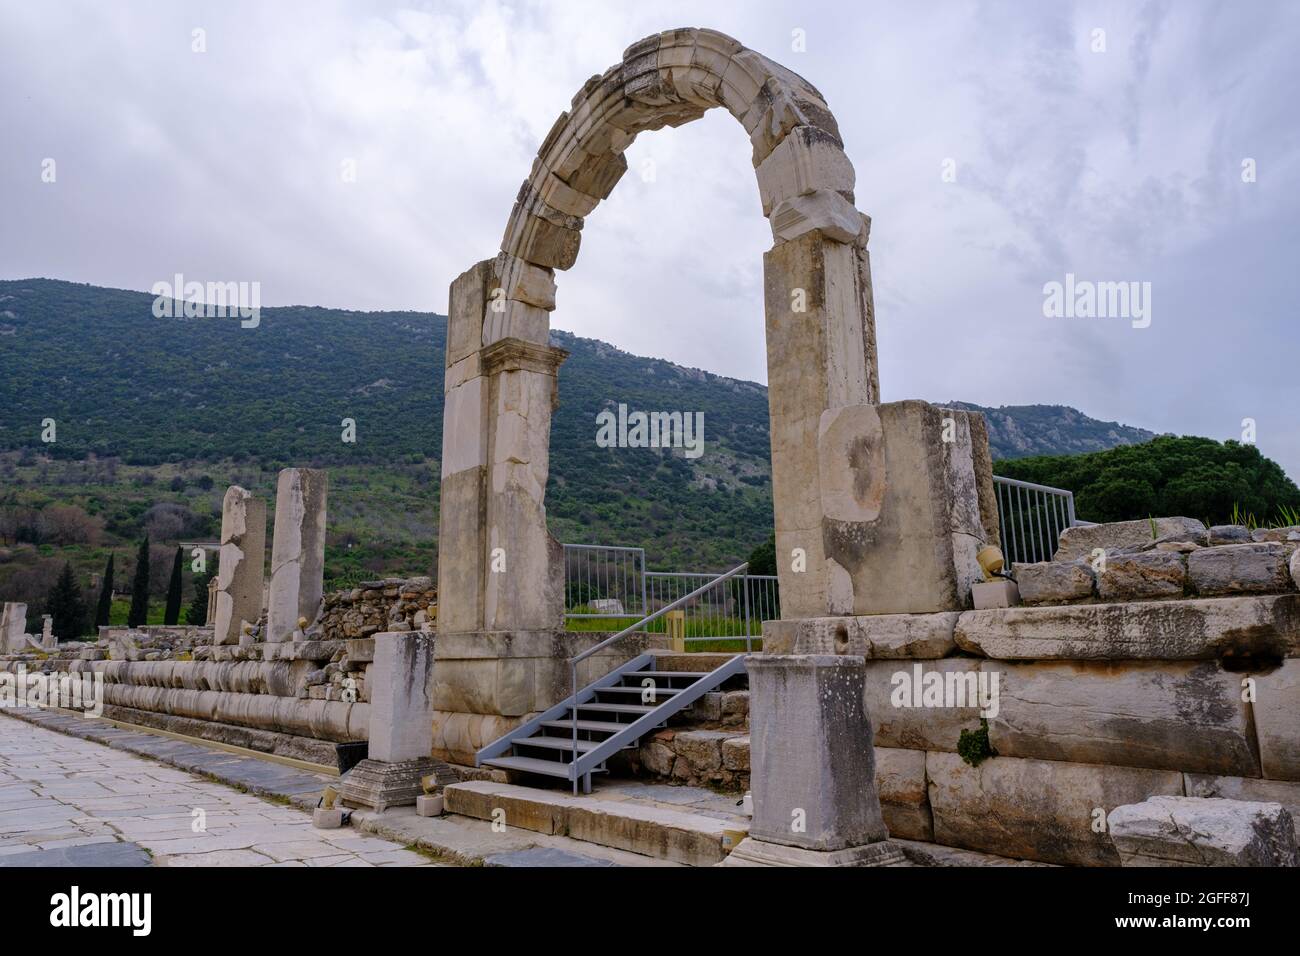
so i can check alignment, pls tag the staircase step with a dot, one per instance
(617, 708)
(657, 691)
(551, 768)
(700, 662)
(606, 726)
(557, 743)
(693, 675)
(679, 834)
(589, 755)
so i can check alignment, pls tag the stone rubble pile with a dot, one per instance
(707, 746)
(149, 643)
(392, 604)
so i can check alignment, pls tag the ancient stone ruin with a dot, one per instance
(1134, 699)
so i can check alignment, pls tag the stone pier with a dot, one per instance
(814, 782)
(500, 571)
(241, 571)
(297, 552)
(13, 628)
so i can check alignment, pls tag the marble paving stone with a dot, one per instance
(99, 854)
(67, 800)
(545, 857)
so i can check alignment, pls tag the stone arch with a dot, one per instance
(500, 571)
(805, 180)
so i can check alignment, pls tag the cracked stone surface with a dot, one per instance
(71, 802)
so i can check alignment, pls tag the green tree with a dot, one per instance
(173, 611)
(762, 560)
(105, 595)
(1167, 476)
(197, 612)
(139, 614)
(65, 604)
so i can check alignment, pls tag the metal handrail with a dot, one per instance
(578, 659)
(1016, 482)
(1031, 518)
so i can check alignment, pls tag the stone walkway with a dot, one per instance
(71, 802)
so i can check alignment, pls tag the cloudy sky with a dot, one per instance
(1115, 164)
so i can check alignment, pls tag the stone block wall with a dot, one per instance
(1097, 706)
(1165, 559)
(159, 675)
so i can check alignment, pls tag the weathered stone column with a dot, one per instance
(297, 552)
(524, 586)
(501, 647)
(211, 617)
(879, 508)
(401, 725)
(820, 355)
(48, 640)
(462, 515)
(813, 766)
(498, 566)
(240, 574)
(13, 627)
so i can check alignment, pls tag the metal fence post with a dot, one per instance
(748, 629)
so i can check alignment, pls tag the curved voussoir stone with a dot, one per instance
(669, 79)
(540, 234)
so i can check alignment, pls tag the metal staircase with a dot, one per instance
(574, 739)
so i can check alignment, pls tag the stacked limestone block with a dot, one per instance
(1168, 558)
(707, 744)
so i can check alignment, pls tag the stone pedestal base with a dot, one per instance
(753, 852)
(991, 594)
(377, 785)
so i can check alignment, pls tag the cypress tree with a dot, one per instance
(139, 615)
(197, 612)
(65, 605)
(105, 595)
(173, 611)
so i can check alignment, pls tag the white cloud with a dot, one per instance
(1119, 165)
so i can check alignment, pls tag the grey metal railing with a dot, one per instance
(632, 629)
(604, 581)
(1032, 518)
(733, 611)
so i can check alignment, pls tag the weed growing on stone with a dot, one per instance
(973, 746)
